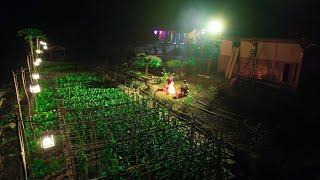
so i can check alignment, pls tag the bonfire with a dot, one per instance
(169, 88)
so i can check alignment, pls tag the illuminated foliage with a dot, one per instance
(133, 138)
(180, 66)
(174, 64)
(31, 33)
(143, 60)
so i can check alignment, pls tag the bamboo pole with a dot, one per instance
(229, 62)
(19, 128)
(233, 62)
(28, 99)
(29, 68)
(31, 49)
(37, 42)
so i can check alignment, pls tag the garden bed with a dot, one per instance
(104, 132)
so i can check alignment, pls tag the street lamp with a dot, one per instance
(215, 27)
(35, 76)
(47, 141)
(35, 88)
(45, 47)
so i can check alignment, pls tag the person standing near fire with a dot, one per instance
(169, 88)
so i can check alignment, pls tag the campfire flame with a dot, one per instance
(169, 88)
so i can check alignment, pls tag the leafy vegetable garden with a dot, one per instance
(105, 133)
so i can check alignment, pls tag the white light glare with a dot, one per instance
(36, 63)
(38, 60)
(35, 76)
(215, 27)
(47, 141)
(43, 43)
(38, 51)
(35, 88)
(45, 47)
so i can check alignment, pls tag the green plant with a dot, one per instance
(179, 66)
(129, 133)
(29, 35)
(165, 75)
(188, 101)
(174, 64)
(143, 60)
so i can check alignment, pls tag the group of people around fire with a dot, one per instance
(169, 88)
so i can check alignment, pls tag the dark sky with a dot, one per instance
(91, 29)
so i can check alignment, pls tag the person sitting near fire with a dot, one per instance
(184, 90)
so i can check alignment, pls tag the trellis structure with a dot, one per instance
(154, 143)
(233, 129)
(135, 136)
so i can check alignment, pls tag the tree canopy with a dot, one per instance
(143, 60)
(172, 64)
(31, 33)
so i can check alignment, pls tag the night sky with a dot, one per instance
(97, 29)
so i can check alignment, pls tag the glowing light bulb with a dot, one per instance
(215, 27)
(47, 141)
(35, 88)
(36, 63)
(38, 51)
(43, 43)
(35, 76)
